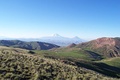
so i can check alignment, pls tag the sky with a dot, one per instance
(87, 19)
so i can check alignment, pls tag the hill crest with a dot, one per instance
(34, 45)
(100, 42)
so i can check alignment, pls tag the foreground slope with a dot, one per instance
(27, 45)
(17, 64)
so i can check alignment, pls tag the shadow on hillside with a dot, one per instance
(101, 68)
(94, 55)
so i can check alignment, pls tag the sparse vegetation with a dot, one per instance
(17, 64)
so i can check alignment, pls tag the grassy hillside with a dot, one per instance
(112, 61)
(18, 64)
(69, 53)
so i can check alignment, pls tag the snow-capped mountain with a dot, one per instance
(55, 39)
(61, 41)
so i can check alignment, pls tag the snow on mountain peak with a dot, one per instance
(56, 35)
(76, 37)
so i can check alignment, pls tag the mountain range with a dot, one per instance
(54, 39)
(61, 41)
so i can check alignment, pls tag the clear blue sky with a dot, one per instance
(37, 18)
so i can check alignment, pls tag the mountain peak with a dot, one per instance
(76, 37)
(56, 35)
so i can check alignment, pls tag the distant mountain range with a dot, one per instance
(27, 45)
(61, 41)
(55, 39)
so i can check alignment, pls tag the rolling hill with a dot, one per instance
(27, 45)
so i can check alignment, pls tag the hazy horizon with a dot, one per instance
(87, 19)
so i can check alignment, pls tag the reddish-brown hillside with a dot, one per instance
(108, 47)
(72, 45)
